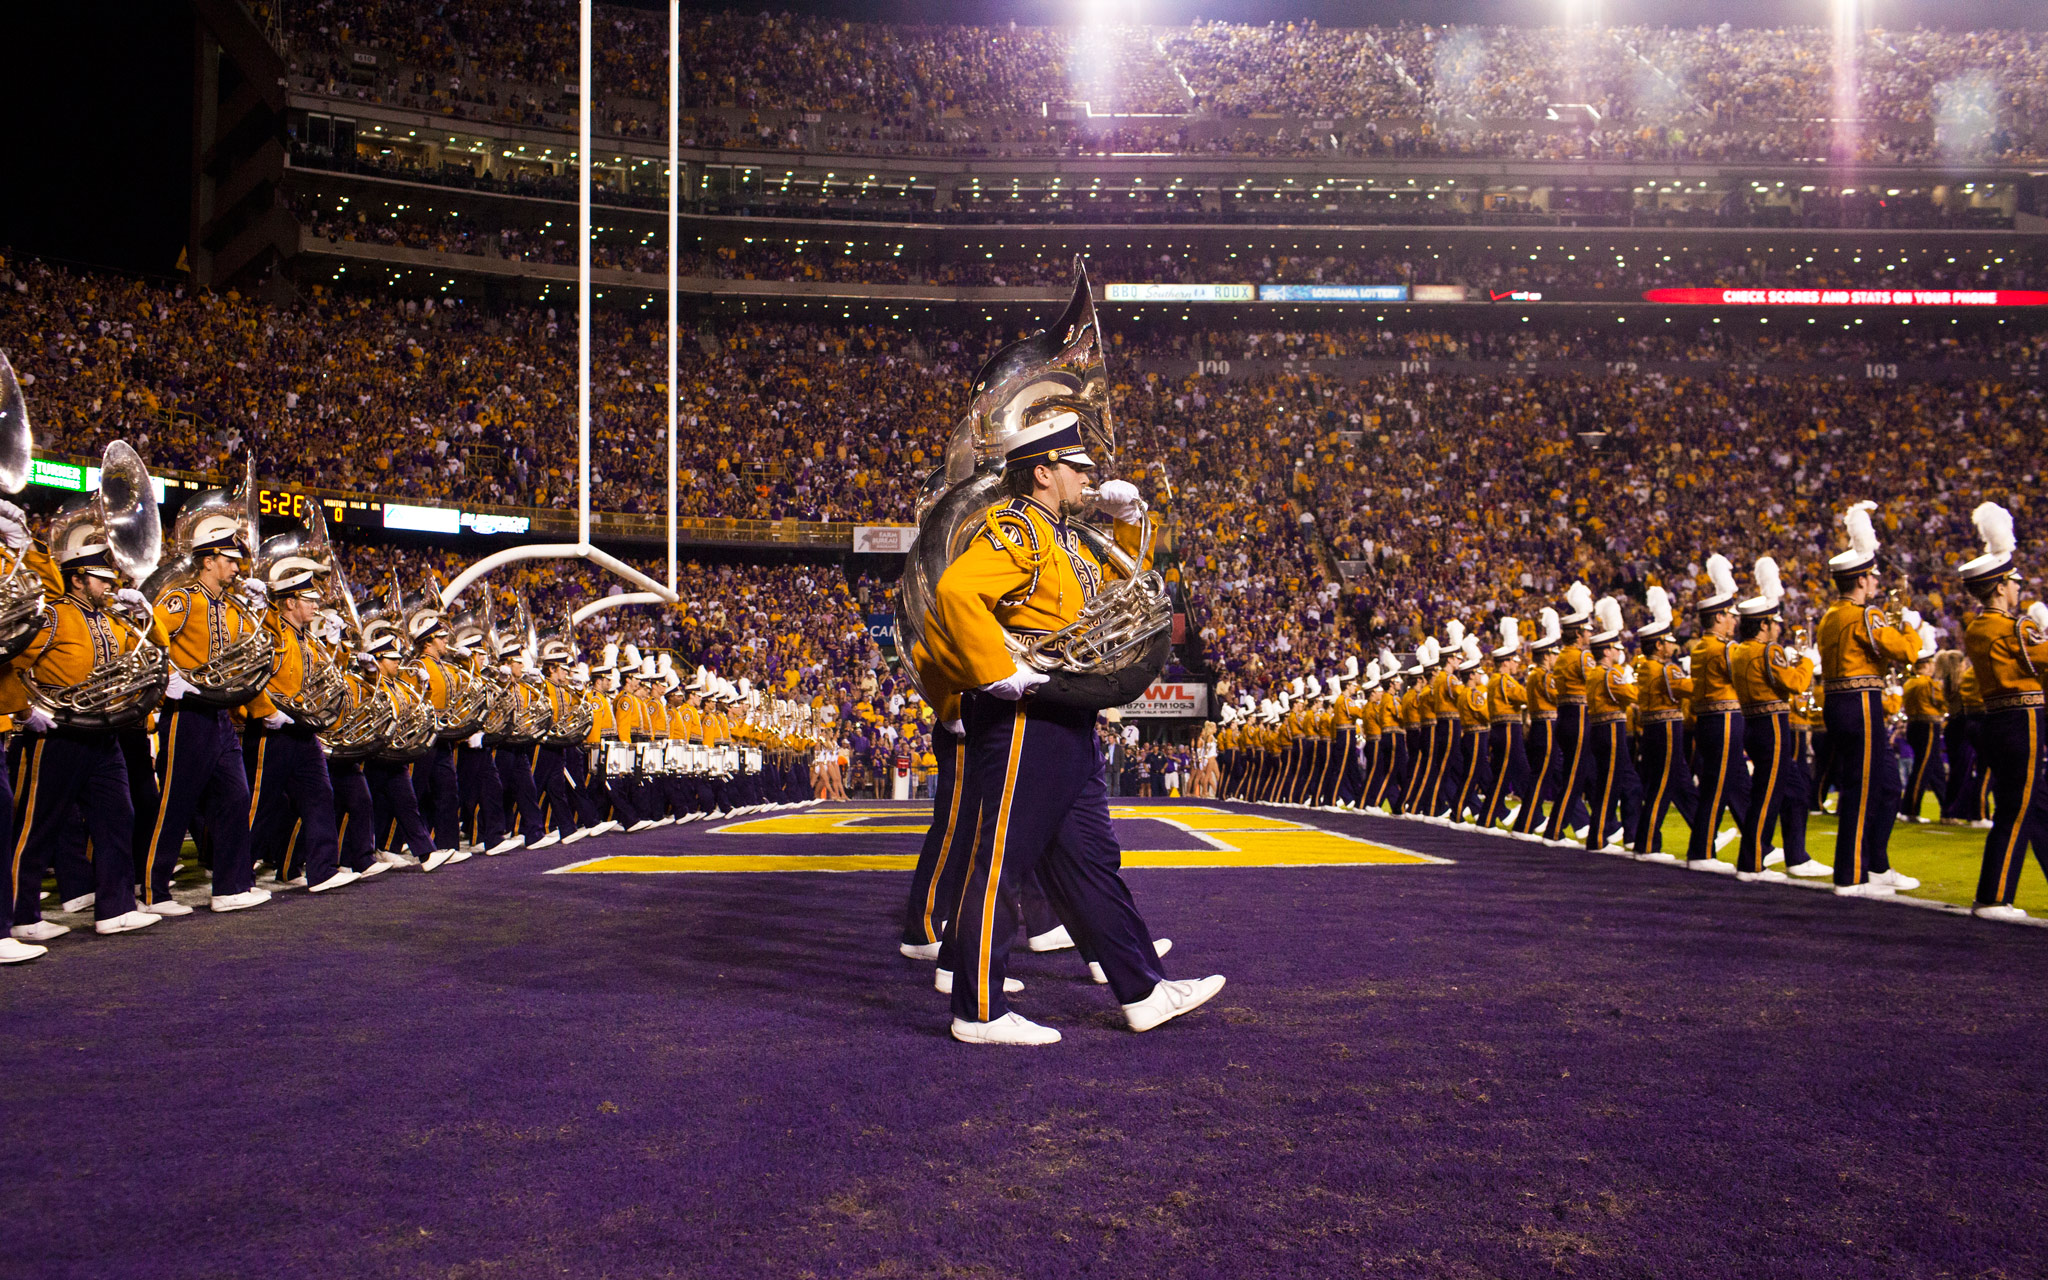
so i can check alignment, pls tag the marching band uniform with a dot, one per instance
(1766, 676)
(356, 813)
(1857, 641)
(394, 790)
(1926, 713)
(69, 773)
(2008, 654)
(1661, 690)
(512, 761)
(1541, 742)
(1472, 726)
(1569, 677)
(435, 778)
(1964, 797)
(1610, 692)
(1443, 687)
(1027, 573)
(1506, 700)
(198, 750)
(1717, 729)
(290, 790)
(547, 762)
(478, 783)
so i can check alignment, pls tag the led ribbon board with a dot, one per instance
(1849, 297)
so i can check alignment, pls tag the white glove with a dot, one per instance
(13, 527)
(1120, 499)
(2039, 613)
(957, 726)
(475, 740)
(178, 686)
(1628, 674)
(133, 599)
(1911, 619)
(1685, 664)
(276, 720)
(255, 591)
(38, 720)
(1015, 685)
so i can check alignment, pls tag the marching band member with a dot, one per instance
(1766, 677)
(290, 790)
(198, 751)
(1471, 705)
(1026, 571)
(629, 711)
(355, 810)
(435, 779)
(576, 771)
(598, 784)
(1661, 690)
(547, 761)
(2007, 652)
(394, 791)
(478, 783)
(1926, 712)
(1418, 718)
(71, 772)
(1857, 641)
(1569, 676)
(1717, 729)
(1541, 688)
(1610, 692)
(1506, 699)
(1443, 707)
(512, 759)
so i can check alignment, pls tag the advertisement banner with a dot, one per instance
(1333, 293)
(883, 539)
(1171, 700)
(1849, 297)
(1177, 293)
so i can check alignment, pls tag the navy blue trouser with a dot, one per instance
(1667, 781)
(394, 799)
(1611, 782)
(947, 845)
(1867, 779)
(483, 795)
(437, 790)
(587, 798)
(203, 781)
(355, 827)
(1927, 775)
(1510, 769)
(1723, 781)
(522, 798)
(1468, 788)
(142, 791)
(1962, 799)
(66, 776)
(551, 779)
(1051, 818)
(1778, 787)
(1572, 763)
(289, 790)
(2014, 739)
(1539, 746)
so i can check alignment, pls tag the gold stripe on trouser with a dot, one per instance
(256, 792)
(2019, 821)
(931, 891)
(163, 805)
(994, 888)
(1532, 804)
(341, 833)
(1663, 785)
(1598, 831)
(1564, 798)
(1713, 811)
(1855, 833)
(291, 843)
(25, 818)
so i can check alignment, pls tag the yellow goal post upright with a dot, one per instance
(651, 591)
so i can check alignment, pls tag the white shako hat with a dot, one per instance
(1658, 601)
(1372, 674)
(1426, 655)
(1607, 622)
(1469, 654)
(1770, 592)
(1861, 557)
(1510, 638)
(1454, 636)
(1578, 603)
(1552, 631)
(1722, 593)
(1994, 526)
(1057, 439)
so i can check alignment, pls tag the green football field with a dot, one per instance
(1947, 860)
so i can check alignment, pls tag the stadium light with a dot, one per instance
(651, 591)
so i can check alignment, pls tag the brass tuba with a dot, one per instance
(236, 672)
(571, 722)
(122, 690)
(1028, 382)
(323, 688)
(21, 591)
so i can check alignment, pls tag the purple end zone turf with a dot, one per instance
(1531, 1063)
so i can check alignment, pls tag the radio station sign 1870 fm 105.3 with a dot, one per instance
(1171, 700)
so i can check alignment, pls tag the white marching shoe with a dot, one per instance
(1507, 822)
(239, 901)
(1767, 877)
(641, 825)
(437, 860)
(2007, 914)
(1160, 946)
(1776, 857)
(335, 881)
(82, 902)
(1868, 889)
(942, 980)
(14, 952)
(1896, 879)
(167, 908)
(1011, 1028)
(377, 867)
(548, 841)
(1055, 939)
(127, 922)
(1659, 856)
(1726, 838)
(1811, 869)
(919, 950)
(1712, 865)
(40, 931)
(507, 845)
(1170, 1000)
(580, 833)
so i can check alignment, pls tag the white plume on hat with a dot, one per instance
(1927, 641)
(630, 659)
(1454, 635)
(1389, 664)
(1608, 615)
(1426, 653)
(1294, 687)
(1580, 597)
(1351, 666)
(1510, 637)
(1862, 539)
(1994, 525)
(1468, 653)
(1314, 687)
(1552, 630)
(1658, 601)
(1721, 574)
(1768, 584)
